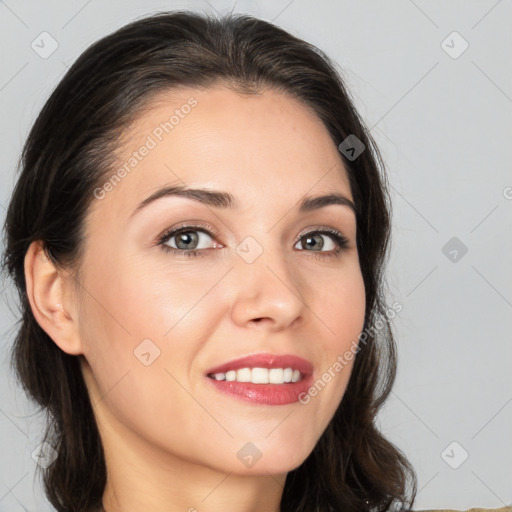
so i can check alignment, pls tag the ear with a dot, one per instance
(51, 299)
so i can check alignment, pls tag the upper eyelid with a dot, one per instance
(169, 233)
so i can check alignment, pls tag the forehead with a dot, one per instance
(265, 149)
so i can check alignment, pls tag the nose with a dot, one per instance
(268, 292)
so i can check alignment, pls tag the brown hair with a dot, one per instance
(68, 153)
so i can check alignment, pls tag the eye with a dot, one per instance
(316, 241)
(189, 240)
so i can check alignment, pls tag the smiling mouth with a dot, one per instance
(260, 375)
(263, 378)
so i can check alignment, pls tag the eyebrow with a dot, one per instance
(219, 199)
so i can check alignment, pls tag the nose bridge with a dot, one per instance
(266, 285)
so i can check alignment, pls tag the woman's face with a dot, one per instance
(255, 278)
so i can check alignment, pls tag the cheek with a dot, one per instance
(341, 313)
(134, 300)
(115, 319)
(341, 307)
(135, 314)
(162, 297)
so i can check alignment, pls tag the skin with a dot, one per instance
(170, 438)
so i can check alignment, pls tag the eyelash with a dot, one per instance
(340, 240)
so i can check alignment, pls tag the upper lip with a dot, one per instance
(265, 361)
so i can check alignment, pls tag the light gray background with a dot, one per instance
(444, 126)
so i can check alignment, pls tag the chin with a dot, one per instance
(270, 459)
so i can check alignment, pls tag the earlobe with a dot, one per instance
(52, 309)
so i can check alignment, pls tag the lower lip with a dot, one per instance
(267, 394)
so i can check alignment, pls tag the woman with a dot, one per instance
(197, 235)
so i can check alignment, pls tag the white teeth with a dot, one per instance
(276, 376)
(260, 375)
(231, 375)
(243, 375)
